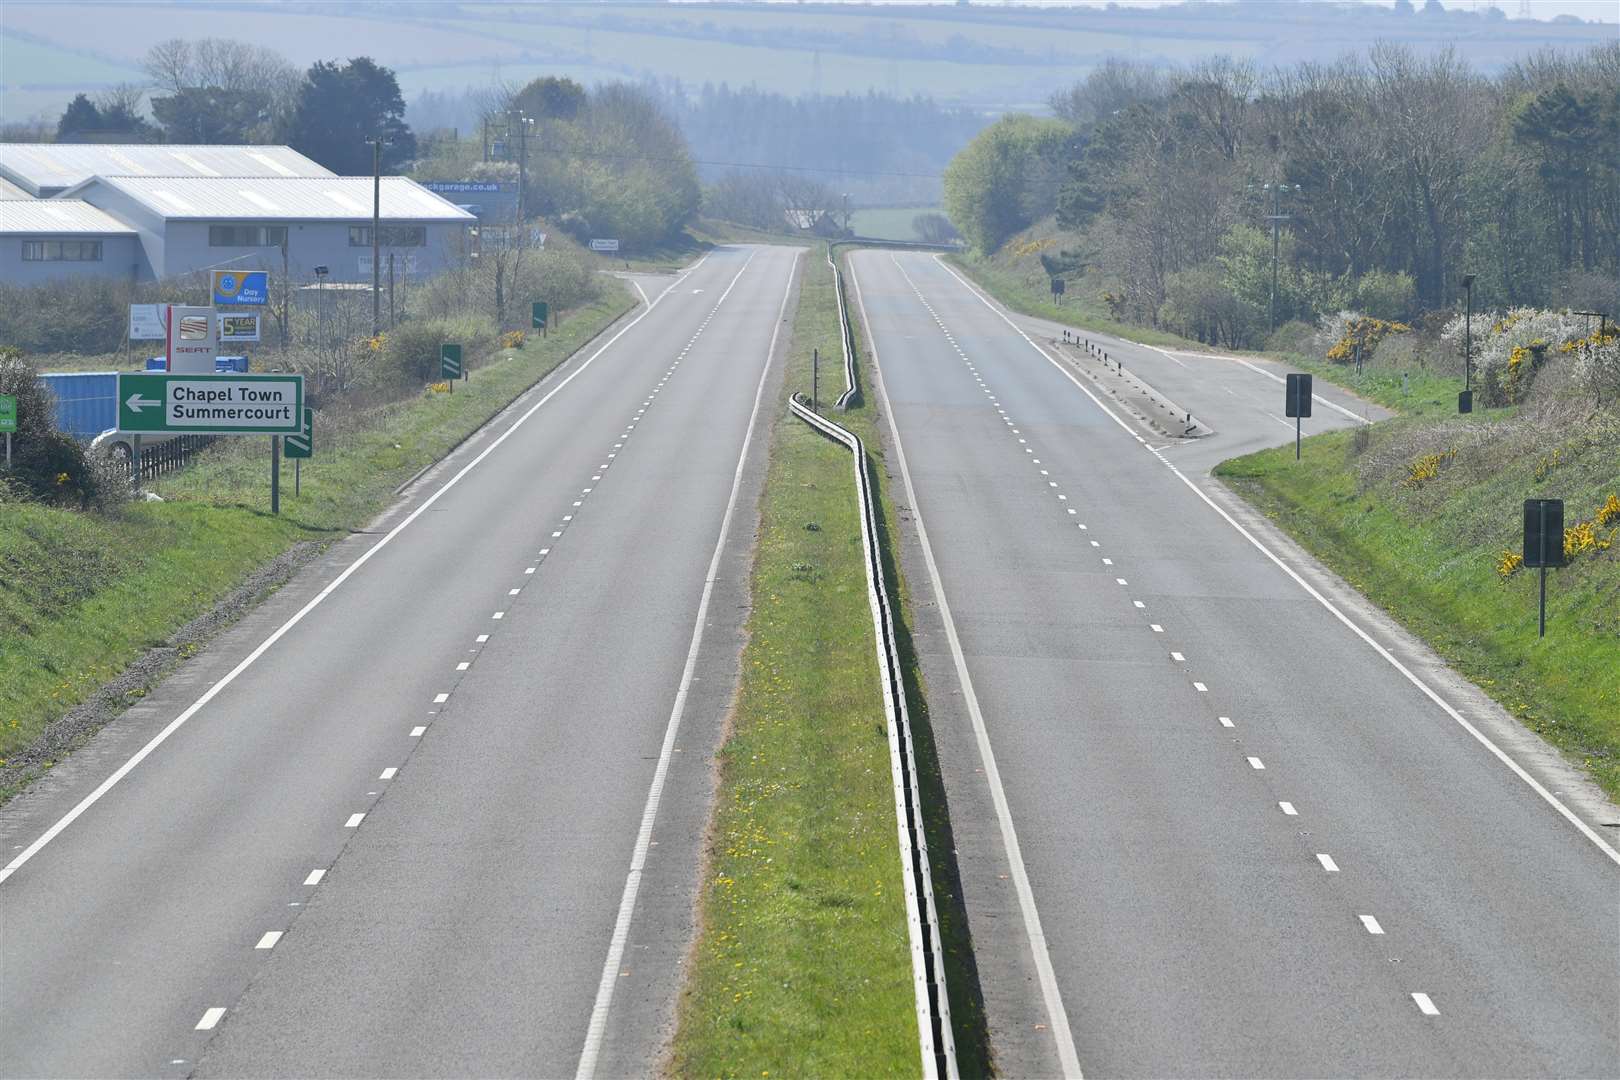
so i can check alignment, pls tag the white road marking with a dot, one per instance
(1177, 657)
(209, 1019)
(530, 570)
(568, 517)
(281, 631)
(1082, 525)
(1226, 721)
(416, 732)
(354, 821)
(556, 534)
(1122, 581)
(440, 699)
(1425, 1006)
(1200, 687)
(513, 592)
(1057, 1017)
(464, 665)
(315, 877)
(499, 615)
(1327, 862)
(596, 1030)
(1256, 763)
(1501, 755)
(544, 552)
(1108, 562)
(269, 940)
(389, 773)
(1288, 808)
(1157, 629)
(1139, 603)
(1371, 924)
(481, 638)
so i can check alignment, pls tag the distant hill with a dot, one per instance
(990, 58)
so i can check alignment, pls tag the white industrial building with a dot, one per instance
(176, 210)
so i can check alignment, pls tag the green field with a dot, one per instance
(84, 594)
(888, 222)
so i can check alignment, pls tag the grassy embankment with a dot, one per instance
(803, 966)
(1427, 553)
(83, 594)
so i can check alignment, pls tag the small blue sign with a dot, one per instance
(241, 286)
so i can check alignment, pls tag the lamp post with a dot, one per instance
(523, 125)
(376, 234)
(846, 212)
(1277, 217)
(320, 307)
(1468, 332)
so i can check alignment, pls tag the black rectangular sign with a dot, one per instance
(1544, 532)
(1299, 396)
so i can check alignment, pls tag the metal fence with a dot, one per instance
(168, 456)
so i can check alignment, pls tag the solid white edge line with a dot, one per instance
(281, 631)
(1411, 677)
(1068, 1056)
(596, 1030)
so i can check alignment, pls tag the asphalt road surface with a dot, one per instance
(400, 840)
(1203, 826)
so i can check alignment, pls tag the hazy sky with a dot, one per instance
(1597, 10)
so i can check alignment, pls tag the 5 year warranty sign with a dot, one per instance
(203, 404)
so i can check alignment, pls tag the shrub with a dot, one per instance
(1388, 296)
(1348, 329)
(410, 352)
(1293, 336)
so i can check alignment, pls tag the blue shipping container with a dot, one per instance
(86, 401)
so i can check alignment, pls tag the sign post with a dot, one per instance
(8, 421)
(1297, 403)
(1057, 291)
(815, 377)
(450, 367)
(275, 474)
(301, 446)
(1543, 543)
(540, 316)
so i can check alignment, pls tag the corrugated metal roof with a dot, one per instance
(8, 190)
(260, 198)
(62, 165)
(52, 217)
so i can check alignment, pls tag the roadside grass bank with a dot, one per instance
(1418, 516)
(82, 595)
(802, 966)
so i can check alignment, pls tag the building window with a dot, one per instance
(246, 235)
(389, 236)
(61, 251)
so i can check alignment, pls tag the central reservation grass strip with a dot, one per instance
(83, 594)
(803, 963)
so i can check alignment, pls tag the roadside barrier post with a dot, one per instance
(275, 474)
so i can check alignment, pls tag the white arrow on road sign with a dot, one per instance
(136, 403)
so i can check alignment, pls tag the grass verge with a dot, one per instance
(82, 595)
(1427, 554)
(802, 966)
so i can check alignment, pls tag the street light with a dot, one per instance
(1468, 333)
(525, 124)
(1277, 217)
(376, 234)
(320, 307)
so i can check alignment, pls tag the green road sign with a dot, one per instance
(220, 404)
(541, 313)
(8, 413)
(301, 445)
(449, 361)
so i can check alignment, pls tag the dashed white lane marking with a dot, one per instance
(499, 615)
(513, 592)
(418, 731)
(389, 773)
(354, 821)
(314, 877)
(349, 571)
(1371, 924)
(464, 665)
(1122, 581)
(1425, 1006)
(556, 534)
(1288, 808)
(269, 940)
(596, 1029)
(1057, 1016)
(209, 1018)
(530, 570)
(1226, 721)
(1082, 524)
(1108, 562)
(1200, 687)
(1327, 862)
(1139, 603)
(481, 638)
(1157, 629)
(1256, 763)
(1177, 657)
(440, 699)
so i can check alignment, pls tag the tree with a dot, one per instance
(1006, 178)
(218, 90)
(550, 98)
(80, 119)
(211, 114)
(340, 106)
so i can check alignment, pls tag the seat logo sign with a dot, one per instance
(241, 286)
